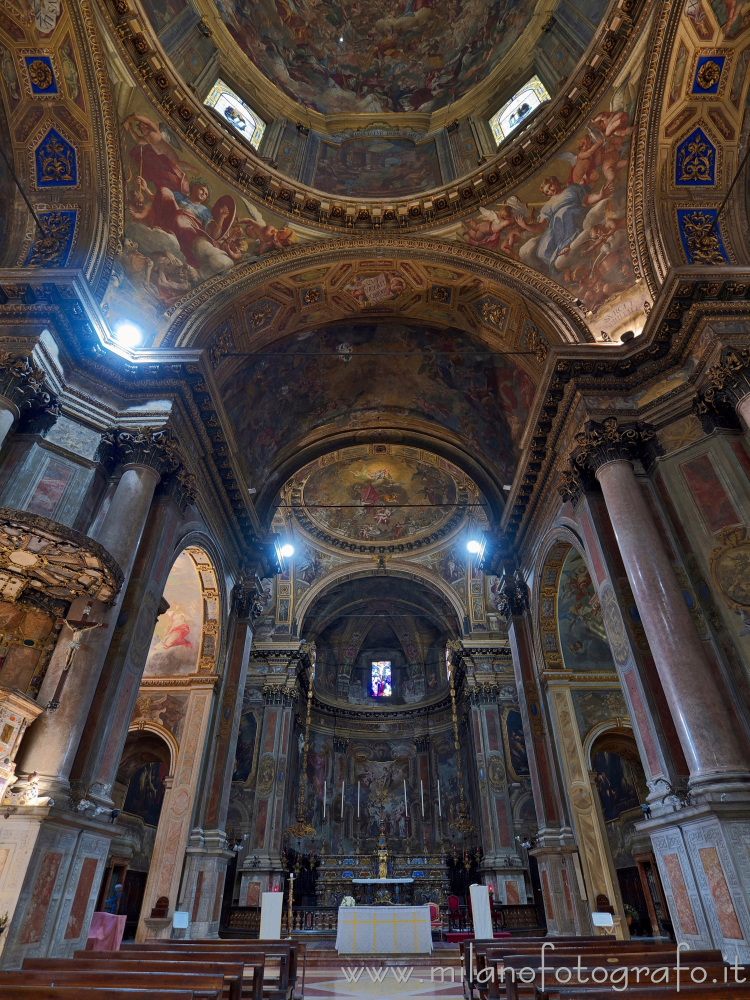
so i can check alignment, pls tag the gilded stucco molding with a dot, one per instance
(544, 295)
(646, 242)
(241, 167)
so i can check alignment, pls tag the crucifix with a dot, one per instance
(79, 629)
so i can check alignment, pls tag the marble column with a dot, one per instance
(207, 856)
(555, 848)
(713, 750)
(106, 730)
(52, 742)
(8, 416)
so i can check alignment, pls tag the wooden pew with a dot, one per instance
(203, 987)
(25, 992)
(504, 980)
(89, 961)
(285, 952)
(299, 951)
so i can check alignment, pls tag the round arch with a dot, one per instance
(407, 571)
(162, 733)
(215, 603)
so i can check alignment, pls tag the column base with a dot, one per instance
(566, 909)
(203, 887)
(54, 860)
(703, 856)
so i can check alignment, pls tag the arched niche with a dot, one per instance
(186, 636)
(573, 635)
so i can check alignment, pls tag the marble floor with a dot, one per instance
(353, 980)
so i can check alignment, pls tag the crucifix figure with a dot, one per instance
(79, 629)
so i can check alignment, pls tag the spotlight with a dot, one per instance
(474, 546)
(287, 550)
(128, 334)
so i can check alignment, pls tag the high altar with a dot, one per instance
(384, 930)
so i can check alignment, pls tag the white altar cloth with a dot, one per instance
(384, 930)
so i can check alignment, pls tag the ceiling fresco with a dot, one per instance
(387, 55)
(183, 224)
(569, 219)
(374, 376)
(379, 494)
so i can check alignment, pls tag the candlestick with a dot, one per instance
(325, 788)
(357, 799)
(421, 792)
(406, 802)
(440, 811)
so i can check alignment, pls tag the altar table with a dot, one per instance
(384, 930)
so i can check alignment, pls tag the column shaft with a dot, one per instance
(711, 748)
(8, 414)
(51, 743)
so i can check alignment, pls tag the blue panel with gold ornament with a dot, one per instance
(701, 239)
(55, 162)
(492, 311)
(52, 247)
(708, 74)
(41, 75)
(695, 163)
(260, 315)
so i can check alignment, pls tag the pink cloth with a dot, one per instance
(105, 933)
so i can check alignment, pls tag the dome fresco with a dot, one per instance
(386, 496)
(389, 55)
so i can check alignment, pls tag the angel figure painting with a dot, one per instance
(569, 223)
(179, 229)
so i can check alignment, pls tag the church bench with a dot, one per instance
(87, 961)
(474, 953)
(687, 991)
(272, 988)
(203, 987)
(285, 952)
(25, 992)
(297, 951)
(504, 981)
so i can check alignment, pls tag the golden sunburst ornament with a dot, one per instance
(40, 74)
(708, 75)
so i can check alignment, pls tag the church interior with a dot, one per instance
(374, 493)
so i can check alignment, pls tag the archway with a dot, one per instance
(618, 776)
(147, 763)
(172, 710)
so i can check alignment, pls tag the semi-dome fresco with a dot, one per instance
(396, 494)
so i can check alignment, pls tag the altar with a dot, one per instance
(383, 891)
(384, 930)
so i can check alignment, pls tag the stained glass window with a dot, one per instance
(381, 678)
(518, 108)
(231, 107)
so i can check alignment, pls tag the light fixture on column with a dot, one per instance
(301, 828)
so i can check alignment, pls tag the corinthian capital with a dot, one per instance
(728, 382)
(155, 448)
(612, 441)
(20, 379)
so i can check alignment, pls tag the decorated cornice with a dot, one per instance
(237, 163)
(43, 557)
(373, 715)
(689, 298)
